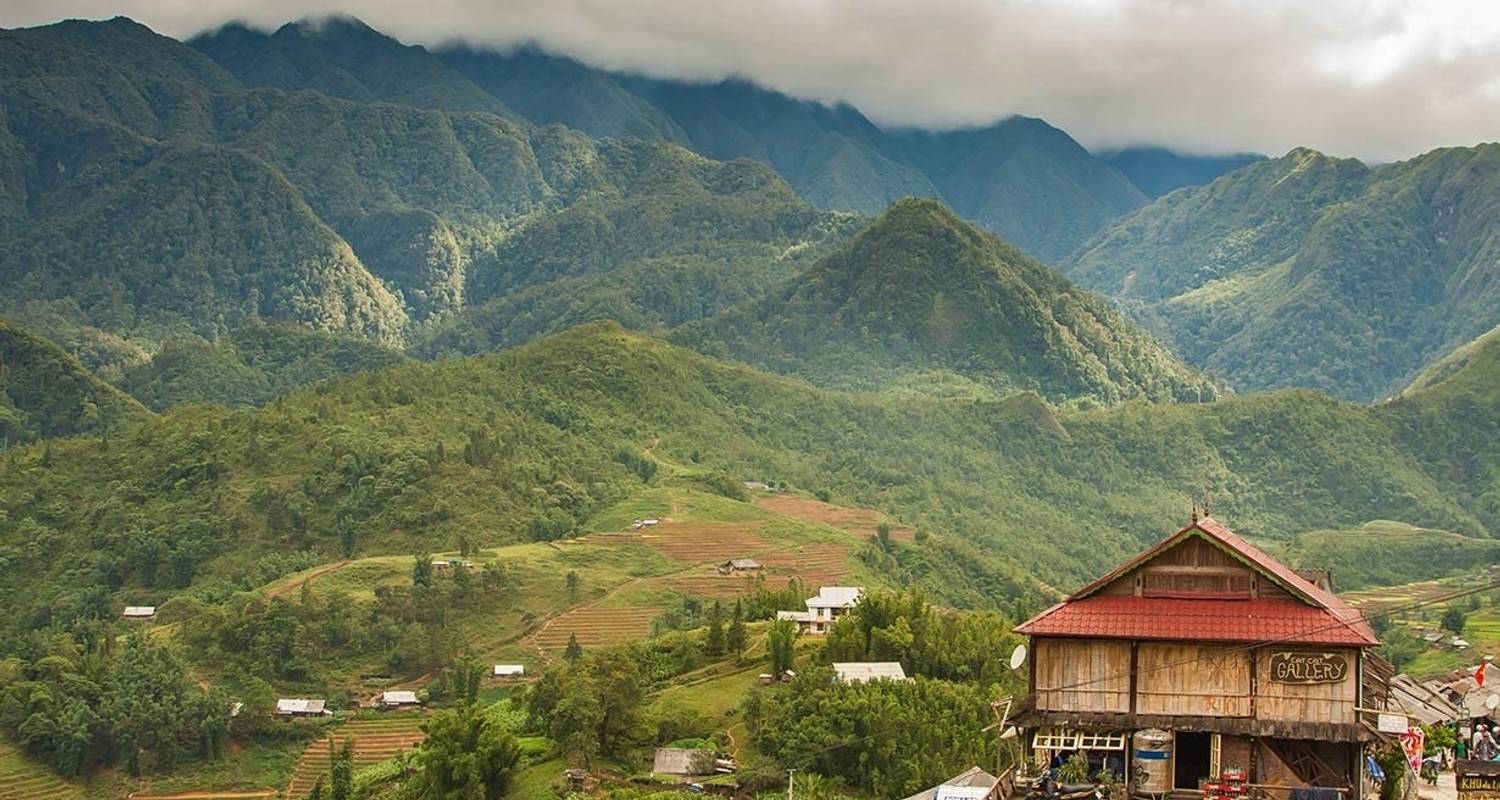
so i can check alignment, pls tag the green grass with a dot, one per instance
(255, 765)
(535, 782)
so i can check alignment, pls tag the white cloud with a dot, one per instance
(1378, 79)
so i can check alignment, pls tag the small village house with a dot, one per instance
(399, 699)
(822, 611)
(683, 761)
(509, 671)
(139, 612)
(972, 784)
(866, 671)
(1200, 655)
(302, 707)
(734, 565)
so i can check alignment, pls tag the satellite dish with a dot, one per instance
(1492, 702)
(1018, 657)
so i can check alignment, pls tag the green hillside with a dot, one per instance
(921, 290)
(251, 366)
(1311, 271)
(535, 441)
(44, 392)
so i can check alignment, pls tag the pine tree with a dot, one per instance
(341, 771)
(421, 571)
(572, 581)
(715, 644)
(737, 633)
(574, 650)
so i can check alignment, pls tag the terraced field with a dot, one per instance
(23, 780)
(597, 626)
(858, 521)
(700, 542)
(377, 737)
(816, 564)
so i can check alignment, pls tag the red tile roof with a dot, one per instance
(1172, 618)
(1317, 618)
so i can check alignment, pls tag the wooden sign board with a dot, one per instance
(1478, 780)
(1305, 667)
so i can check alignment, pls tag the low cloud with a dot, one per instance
(1378, 80)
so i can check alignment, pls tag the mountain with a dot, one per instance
(921, 290)
(44, 392)
(1157, 171)
(151, 196)
(252, 365)
(1311, 271)
(1021, 178)
(677, 237)
(342, 57)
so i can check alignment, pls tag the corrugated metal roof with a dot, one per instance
(1213, 620)
(862, 671)
(973, 778)
(399, 698)
(1316, 617)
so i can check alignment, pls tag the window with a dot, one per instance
(1054, 739)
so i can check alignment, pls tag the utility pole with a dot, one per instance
(789, 783)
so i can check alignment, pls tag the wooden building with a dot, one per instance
(1241, 661)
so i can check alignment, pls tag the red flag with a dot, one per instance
(1479, 674)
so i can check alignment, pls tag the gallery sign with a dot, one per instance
(1304, 667)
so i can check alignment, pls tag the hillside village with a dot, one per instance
(535, 416)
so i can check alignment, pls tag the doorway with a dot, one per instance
(1192, 759)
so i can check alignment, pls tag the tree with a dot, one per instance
(421, 571)
(467, 755)
(883, 537)
(348, 536)
(737, 634)
(1452, 620)
(572, 581)
(781, 644)
(317, 792)
(574, 650)
(341, 770)
(714, 646)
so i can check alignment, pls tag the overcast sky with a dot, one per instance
(1378, 79)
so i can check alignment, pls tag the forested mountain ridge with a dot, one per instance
(1307, 270)
(342, 57)
(1021, 178)
(44, 392)
(1157, 171)
(148, 195)
(922, 291)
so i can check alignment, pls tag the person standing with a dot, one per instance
(1485, 749)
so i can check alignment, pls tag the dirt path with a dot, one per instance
(290, 586)
(205, 795)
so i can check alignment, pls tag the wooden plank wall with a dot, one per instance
(1193, 679)
(1317, 702)
(1082, 675)
(1194, 566)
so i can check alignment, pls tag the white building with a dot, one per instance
(398, 699)
(509, 671)
(301, 707)
(822, 611)
(866, 671)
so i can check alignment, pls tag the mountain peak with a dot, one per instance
(922, 291)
